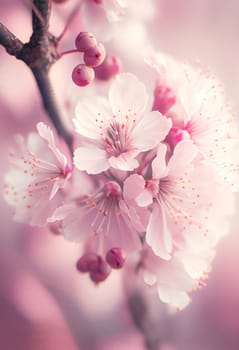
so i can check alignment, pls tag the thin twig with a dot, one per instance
(35, 9)
(69, 20)
(40, 30)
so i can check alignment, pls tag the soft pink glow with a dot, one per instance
(44, 299)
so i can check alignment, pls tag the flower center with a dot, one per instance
(112, 189)
(152, 186)
(102, 207)
(116, 139)
(176, 135)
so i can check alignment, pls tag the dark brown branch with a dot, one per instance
(11, 43)
(40, 30)
(39, 54)
(50, 104)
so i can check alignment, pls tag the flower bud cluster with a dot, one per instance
(98, 267)
(93, 56)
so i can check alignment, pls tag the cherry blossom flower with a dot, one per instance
(200, 113)
(170, 279)
(39, 170)
(115, 132)
(102, 219)
(197, 249)
(191, 257)
(177, 196)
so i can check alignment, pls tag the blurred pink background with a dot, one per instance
(44, 303)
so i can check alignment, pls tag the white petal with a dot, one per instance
(92, 160)
(46, 133)
(150, 130)
(75, 223)
(76, 226)
(133, 186)
(173, 297)
(61, 212)
(128, 96)
(159, 165)
(54, 190)
(184, 153)
(92, 114)
(158, 235)
(123, 162)
(145, 198)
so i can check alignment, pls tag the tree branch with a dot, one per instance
(142, 319)
(40, 24)
(39, 54)
(11, 43)
(50, 104)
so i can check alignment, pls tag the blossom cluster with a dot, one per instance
(152, 176)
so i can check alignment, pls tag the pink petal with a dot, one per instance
(133, 186)
(41, 212)
(38, 212)
(46, 133)
(150, 130)
(184, 153)
(54, 190)
(145, 198)
(92, 114)
(122, 234)
(75, 223)
(61, 212)
(123, 162)
(92, 160)
(158, 235)
(174, 283)
(76, 226)
(173, 297)
(135, 217)
(128, 96)
(159, 165)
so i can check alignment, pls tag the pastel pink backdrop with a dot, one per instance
(44, 303)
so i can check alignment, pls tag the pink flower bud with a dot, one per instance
(164, 99)
(115, 258)
(82, 75)
(95, 55)
(99, 271)
(95, 265)
(84, 41)
(87, 262)
(110, 67)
